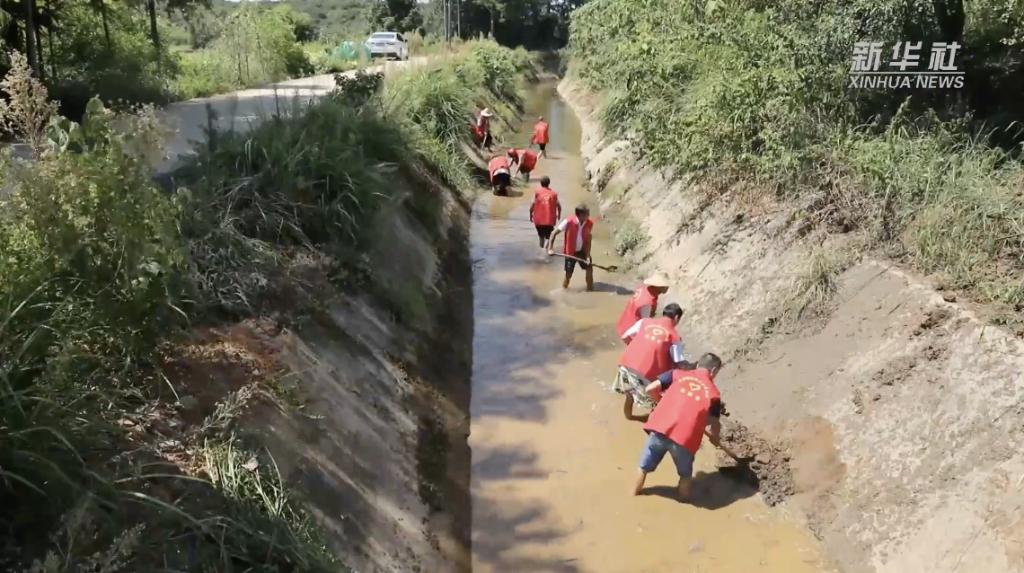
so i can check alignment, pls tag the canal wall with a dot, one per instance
(899, 407)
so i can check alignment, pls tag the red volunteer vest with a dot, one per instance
(648, 352)
(641, 298)
(545, 207)
(571, 228)
(497, 164)
(527, 160)
(540, 132)
(682, 413)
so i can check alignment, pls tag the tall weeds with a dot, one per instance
(101, 269)
(758, 92)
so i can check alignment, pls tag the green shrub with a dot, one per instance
(257, 46)
(628, 237)
(757, 92)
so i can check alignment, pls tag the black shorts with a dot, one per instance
(542, 146)
(544, 231)
(570, 264)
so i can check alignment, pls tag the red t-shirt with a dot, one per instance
(545, 207)
(684, 408)
(641, 298)
(649, 353)
(540, 133)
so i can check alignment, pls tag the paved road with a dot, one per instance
(245, 108)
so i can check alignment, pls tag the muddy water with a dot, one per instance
(553, 459)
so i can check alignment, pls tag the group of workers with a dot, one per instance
(502, 167)
(680, 396)
(546, 210)
(683, 401)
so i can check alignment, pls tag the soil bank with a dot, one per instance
(900, 409)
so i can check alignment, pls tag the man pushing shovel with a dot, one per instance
(689, 406)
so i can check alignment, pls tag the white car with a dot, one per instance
(388, 45)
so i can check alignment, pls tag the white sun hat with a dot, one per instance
(657, 280)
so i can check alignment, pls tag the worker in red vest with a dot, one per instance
(482, 129)
(654, 347)
(524, 160)
(643, 303)
(500, 175)
(687, 402)
(578, 231)
(540, 136)
(545, 210)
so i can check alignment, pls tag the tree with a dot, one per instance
(154, 33)
(397, 15)
(31, 42)
(951, 18)
(101, 7)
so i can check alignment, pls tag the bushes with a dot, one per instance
(758, 91)
(101, 269)
(256, 46)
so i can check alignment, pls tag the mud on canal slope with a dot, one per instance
(896, 409)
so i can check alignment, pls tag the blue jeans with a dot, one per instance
(655, 449)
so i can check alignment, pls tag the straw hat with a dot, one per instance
(487, 112)
(657, 280)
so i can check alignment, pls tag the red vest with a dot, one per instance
(682, 413)
(527, 160)
(641, 298)
(571, 229)
(540, 132)
(497, 164)
(545, 207)
(648, 352)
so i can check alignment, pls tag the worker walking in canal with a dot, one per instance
(545, 210)
(654, 347)
(687, 402)
(540, 136)
(578, 231)
(499, 174)
(643, 303)
(524, 161)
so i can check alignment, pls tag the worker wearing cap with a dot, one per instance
(643, 303)
(653, 347)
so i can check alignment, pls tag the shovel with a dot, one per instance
(609, 268)
(742, 470)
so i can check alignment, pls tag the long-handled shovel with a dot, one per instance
(609, 268)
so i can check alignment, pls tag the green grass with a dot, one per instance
(756, 94)
(101, 270)
(628, 238)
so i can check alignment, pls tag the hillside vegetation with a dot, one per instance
(102, 464)
(756, 96)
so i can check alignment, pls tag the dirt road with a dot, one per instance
(245, 108)
(553, 459)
